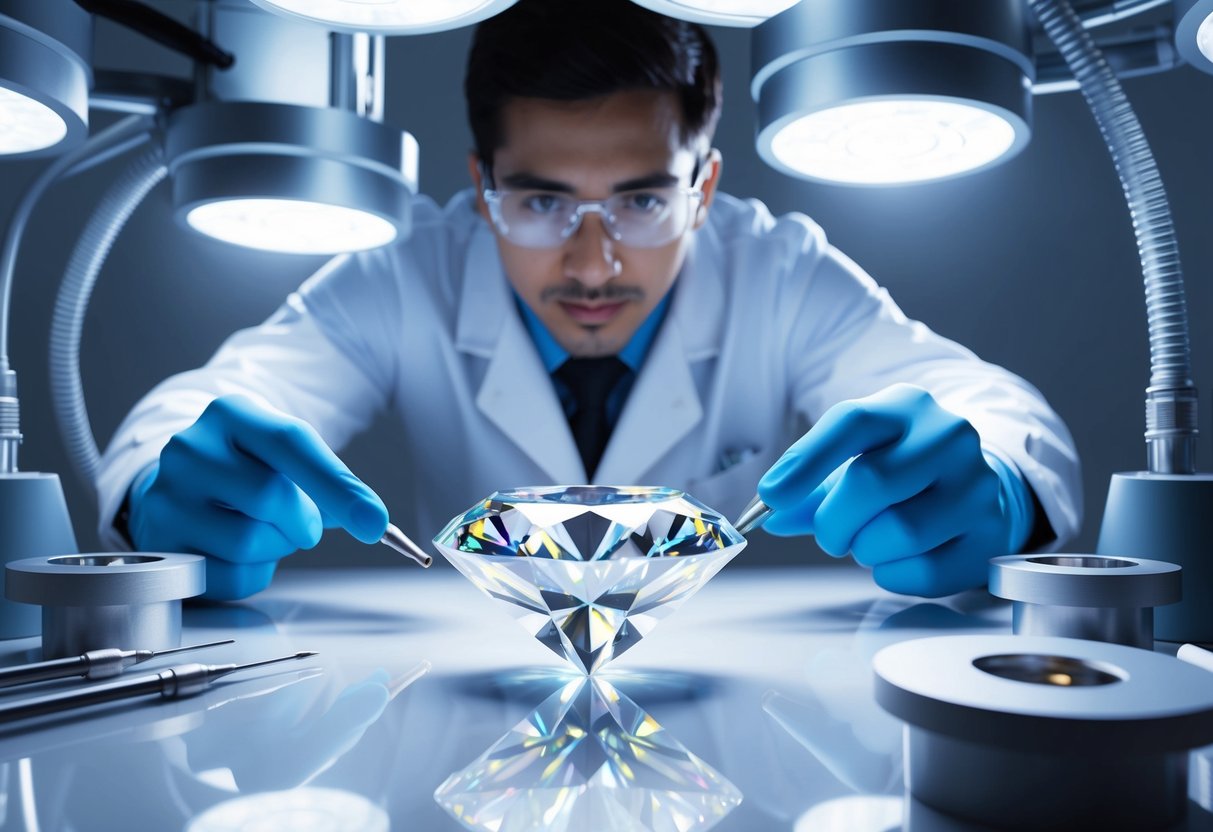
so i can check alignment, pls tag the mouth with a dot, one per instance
(592, 314)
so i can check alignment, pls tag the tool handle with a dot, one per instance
(94, 695)
(41, 671)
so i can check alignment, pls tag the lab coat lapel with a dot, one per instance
(516, 394)
(664, 405)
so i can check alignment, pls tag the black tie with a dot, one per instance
(591, 381)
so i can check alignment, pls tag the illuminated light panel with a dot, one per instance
(892, 142)
(588, 758)
(390, 16)
(291, 225)
(305, 808)
(589, 571)
(854, 813)
(721, 12)
(27, 125)
(1204, 38)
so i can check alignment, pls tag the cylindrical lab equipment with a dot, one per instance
(1167, 517)
(1094, 597)
(110, 599)
(1025, 732)
(33, 521)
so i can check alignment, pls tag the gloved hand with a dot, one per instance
(905, 487)
(247, 486)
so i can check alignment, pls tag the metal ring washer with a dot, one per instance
(1098, 597)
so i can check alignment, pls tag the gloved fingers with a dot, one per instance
(920, 524)
(846, 430)
(798, 520)
(199, 472)
(293, 448)
(235, 537)
(873, 483)
(957, 565)
(231, 581)
(263, 494)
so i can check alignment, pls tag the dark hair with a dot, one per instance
(573, 50)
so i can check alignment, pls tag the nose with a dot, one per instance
(589, 256)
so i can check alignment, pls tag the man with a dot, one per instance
(594, 311)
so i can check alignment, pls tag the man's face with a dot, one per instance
(592, 292)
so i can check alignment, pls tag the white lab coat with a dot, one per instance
(768, 327)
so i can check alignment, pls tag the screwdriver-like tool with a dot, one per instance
(95, 664)
(173, 683)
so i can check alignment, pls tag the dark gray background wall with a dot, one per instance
(1031, 264)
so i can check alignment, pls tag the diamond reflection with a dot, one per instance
(590, 570)
(588, 758)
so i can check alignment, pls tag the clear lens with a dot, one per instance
(291, 226)
(27, 125)
(893, 142)
(641, 219)
(395, 16)
(1204, 37)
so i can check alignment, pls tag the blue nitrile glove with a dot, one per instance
(247, 486)
(904, 486)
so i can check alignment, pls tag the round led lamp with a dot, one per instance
(287, 178)
(388, 17)
(1194, 32)
(882, 92)
(743, 13)
(45, 48)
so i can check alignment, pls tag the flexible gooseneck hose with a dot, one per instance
(1171, 420)
(71, 304)
(119, 134)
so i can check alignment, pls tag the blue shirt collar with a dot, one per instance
(633, 353)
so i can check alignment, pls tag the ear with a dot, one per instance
(477, 174)
(712, 166)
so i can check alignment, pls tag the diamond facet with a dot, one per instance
(588, 758)
(589, 570)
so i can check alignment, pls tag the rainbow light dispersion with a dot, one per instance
(588, 758)
(590, 570)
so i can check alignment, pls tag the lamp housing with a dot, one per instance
(387, 17)
(740, 13)
(45, 76)
(1194, 32)
(884, 92)
(283, 177)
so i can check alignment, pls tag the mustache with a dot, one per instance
(574, 292)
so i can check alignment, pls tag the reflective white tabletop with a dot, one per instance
(763, 677)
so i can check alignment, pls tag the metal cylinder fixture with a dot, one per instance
(110, 599)
(880, 92)
(1085, 596)
(1021, 732)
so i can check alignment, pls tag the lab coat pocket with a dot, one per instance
(729, 490)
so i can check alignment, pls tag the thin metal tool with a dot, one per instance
(753, 516)
(95, 664)
(173, 683)
(398, 540)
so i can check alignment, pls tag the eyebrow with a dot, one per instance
(531, 182)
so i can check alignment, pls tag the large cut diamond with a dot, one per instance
(588, 758)
(590, 570)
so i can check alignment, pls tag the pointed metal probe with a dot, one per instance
(398, 540)
(173, 683)
(95, 664)
(753, 516)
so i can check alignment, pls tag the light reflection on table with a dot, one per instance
(764, 677)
